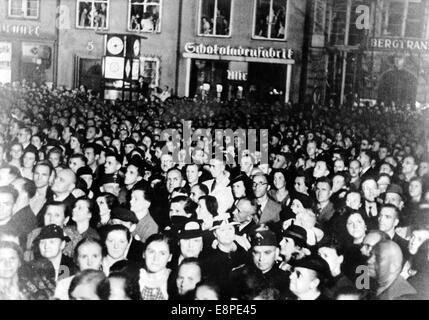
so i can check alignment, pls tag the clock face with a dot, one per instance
(115, 45)
(136, 47)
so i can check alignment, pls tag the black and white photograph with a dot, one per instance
(218, 150)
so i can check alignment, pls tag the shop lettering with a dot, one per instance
(399, 44)
(20, 29)
(260, 52)
(237, 75)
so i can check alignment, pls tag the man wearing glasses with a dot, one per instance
(269, 209)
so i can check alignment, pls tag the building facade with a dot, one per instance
(28, 39)
(224, 48)
(372, 50)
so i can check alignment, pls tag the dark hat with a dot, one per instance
(395, 188)
(306, 201)
(240, 177)
(52, 142)
(130, 141)
(222, 221)
(52, 231)
(316, 263)
(138, 153)
(82, 171)
(297, 233)
(124, 215)
(137, 162)
(263, 238)
(117, 156)
(109, 178)
(191, 230)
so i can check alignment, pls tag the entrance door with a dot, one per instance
(399, 86)
(89, 73)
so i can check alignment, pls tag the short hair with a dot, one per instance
(110, 228)
(191, 260)
(383, 235)
(345, 175)
(308, 179)
(147, 191)
(111, 199)
(391, 206)
(368, 153)
(159, 237)
(175, 169)
(94, 277)
(29, 187)
(67, 210)
(33, 151)
(86, 240)
(56, 150)
(214, 286)
(12, 170)
(26, 129)
(189, 205)
(131, 287)
(10, 190)
(203, 188)
(384, 175)
(45, 163)
(260, 174)
(211, 204)
(324, 180)
(78, 156)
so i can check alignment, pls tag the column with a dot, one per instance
(188, 76)
(346, 43)
(288, 82)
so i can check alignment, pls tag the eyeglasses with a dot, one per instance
(258, 184)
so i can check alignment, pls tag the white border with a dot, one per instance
(254, 37)
(24, 9)
(161, 6)
(93, 2)
(198, 24)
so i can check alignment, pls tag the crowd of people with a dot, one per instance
(94, 204)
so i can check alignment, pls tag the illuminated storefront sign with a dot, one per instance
(259, 52)
(399, 44)
(21, 29)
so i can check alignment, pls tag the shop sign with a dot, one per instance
(20, 29)
(237, 75)
(259, 52)
(399, 44)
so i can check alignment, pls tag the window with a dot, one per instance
(92, 14)
(270, 19)
(24, 9)
(215, 18)
(414, 23)
(339, 22)
(144, 15)
(149, 70)
(395, 18)
(412, 26)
